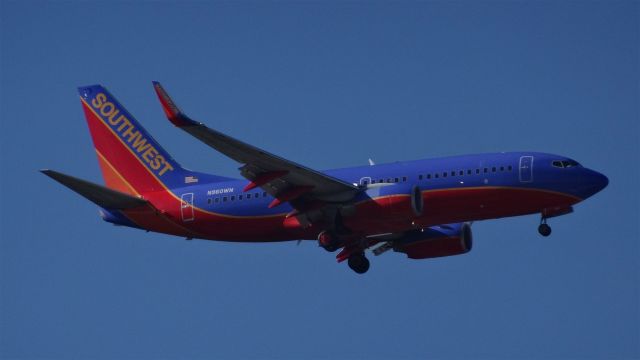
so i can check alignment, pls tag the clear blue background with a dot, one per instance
(328, 85)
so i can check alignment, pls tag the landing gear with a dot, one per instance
(359, 263)
(328, 241)
(544, 229)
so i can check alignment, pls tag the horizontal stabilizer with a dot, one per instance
(98, 194)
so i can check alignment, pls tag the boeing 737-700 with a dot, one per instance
(421, 208)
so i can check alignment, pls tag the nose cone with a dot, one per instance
(595, 182)
(602, 181)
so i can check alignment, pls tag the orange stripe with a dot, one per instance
(123, 143)
(115, 172)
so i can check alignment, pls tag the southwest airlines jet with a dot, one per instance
(421, 208)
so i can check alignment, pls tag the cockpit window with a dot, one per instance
(565, 163)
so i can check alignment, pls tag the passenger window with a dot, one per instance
(249, 196)
(209, 201)
(396, 180)
(468, 172)
(404, 179)
(453, 173)
(365, 182)
(486, 170)
(444, 175)
(510, 168)
(224, 199)
(461, 172)
(501, 168)
(239, 197)
(419, 177)
(436, 175)
(373, 181)
(264, 194)
(428, 176)
(217, 200)
(493, 169)
(477, 171)
(233, 198)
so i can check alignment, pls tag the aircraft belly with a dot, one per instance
(385, 214)
(458, 205)
(395, 213)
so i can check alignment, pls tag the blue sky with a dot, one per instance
(327, 84)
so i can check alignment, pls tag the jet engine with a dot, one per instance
(436, 241)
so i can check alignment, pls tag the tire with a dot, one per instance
(359, 263)
(544, 230)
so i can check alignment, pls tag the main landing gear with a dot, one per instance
(328, 241)
(544, 229)
(354, 253)
(359, 263)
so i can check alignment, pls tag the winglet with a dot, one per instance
(174, 114)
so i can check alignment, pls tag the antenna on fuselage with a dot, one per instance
(371, 163)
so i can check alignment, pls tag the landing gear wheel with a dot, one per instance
(359, 263)
(544, 229)
(328, 241)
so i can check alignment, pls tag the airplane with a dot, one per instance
(421, 208)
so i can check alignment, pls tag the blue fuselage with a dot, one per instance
(520, 170)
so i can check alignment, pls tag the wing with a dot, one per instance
(285, 180)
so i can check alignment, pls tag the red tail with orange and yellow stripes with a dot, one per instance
(131, 160)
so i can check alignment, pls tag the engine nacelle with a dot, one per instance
(436, 241)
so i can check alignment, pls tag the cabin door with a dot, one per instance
(365, 181)
(526, 169)
(186, 206)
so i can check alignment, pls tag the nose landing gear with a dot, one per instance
(544, 229)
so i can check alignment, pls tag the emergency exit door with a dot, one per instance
(186, 207)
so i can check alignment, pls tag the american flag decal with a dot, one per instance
(190, 179)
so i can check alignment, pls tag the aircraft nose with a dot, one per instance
(601, 181)
(596, 182)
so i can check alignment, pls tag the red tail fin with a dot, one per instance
(131, 160)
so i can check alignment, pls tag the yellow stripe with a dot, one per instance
(117, 172)
(189, 231)
(123, 143)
